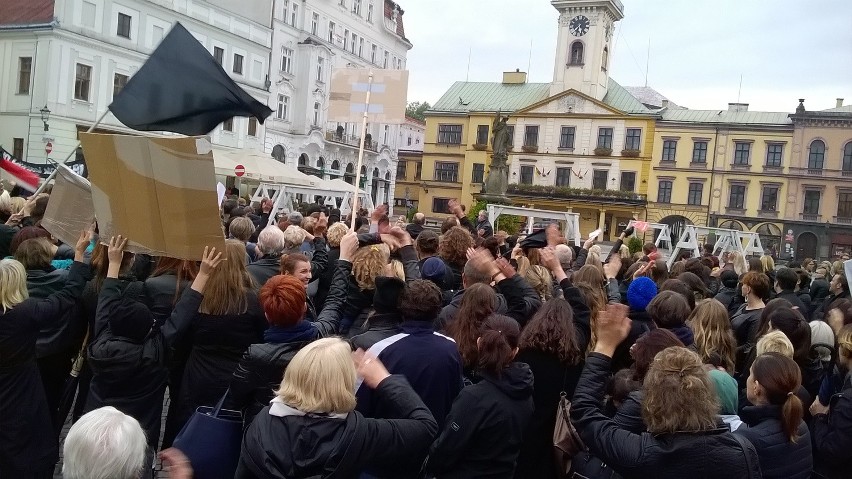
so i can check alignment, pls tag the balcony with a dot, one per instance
(824, 172)
(583, 194)
(350, 140)
(843, 220)
(811, 217)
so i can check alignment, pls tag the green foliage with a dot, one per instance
(511, 224)
(410, 214)
(634, 244)
(416, 110)
(567, 192)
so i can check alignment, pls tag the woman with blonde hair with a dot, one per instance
(311, 428)
(227, 322)
(736, 261)
(680, 409)
(713, 338)
(590, 281)
(538, 276)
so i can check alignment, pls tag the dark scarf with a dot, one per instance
(684, 333)
(300, 332)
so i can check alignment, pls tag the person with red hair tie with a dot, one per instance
(284, 302)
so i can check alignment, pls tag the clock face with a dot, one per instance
(578, 26)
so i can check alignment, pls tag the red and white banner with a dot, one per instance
(23, 177)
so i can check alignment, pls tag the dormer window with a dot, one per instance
(576, 57)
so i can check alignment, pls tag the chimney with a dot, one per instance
(665, 103)
(516, 77)
(839, 102)
(737, 107)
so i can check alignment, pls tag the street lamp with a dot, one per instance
(45, 115)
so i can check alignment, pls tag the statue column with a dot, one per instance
(602, 221)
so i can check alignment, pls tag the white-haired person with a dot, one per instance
(28, 447)
(272, 244)
(108, 444)
(311, 428)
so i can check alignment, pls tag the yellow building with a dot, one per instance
(721, 168)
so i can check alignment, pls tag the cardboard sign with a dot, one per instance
(157, 192)
(70, 209)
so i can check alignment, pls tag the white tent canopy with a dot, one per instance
(261, 168)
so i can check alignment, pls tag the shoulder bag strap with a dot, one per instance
(744, 443)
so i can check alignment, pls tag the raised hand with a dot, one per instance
(553, 235)
(82, 244)
(613, 266)
(378, 213)
(115, 251)
(15, 219)
(505, 267)
(348, 245)
(369, 368)
(322, 225)
(402, 236)
(482, 261)
(611, 328)
(210, 261)
(549, 259)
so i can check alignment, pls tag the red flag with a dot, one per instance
(20, 175)
(640, 225)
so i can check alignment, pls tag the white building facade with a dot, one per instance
(310, 39)
(73, 56)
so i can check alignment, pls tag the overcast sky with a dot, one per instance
(784, 49)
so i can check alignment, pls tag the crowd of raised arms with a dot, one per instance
(396, 351)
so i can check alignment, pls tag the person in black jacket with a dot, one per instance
(484, 431)
(727, 294)
(786, 280)
(283, 301)
(128, 357)
(28, 446)
(686, 437)
(271, 244)
(831, 427)
(774, 423)
(335, 233)
(311, 429)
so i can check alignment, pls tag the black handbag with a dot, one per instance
(211, 440)
(566, 440)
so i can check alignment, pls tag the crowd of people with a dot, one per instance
(393, 351)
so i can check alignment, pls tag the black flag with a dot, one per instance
(181, 88)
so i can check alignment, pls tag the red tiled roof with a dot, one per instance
(389, 7)
(26, 12)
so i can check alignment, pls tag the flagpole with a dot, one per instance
(53, 175)
(354, 211)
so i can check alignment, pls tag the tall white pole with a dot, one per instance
(52, 175)
(354, 211)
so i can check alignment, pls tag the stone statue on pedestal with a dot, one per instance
(497, 181)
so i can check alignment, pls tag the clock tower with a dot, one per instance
(584, 46)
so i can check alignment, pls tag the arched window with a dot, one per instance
(387, 176)
(335, 165)
(321, 163)
(279, 153)
(605, 59)
(847, 157)
(349, 175)
(576, 53)
(816, 155)
(376, 173)
(363, 170)
(303, 159)
(731, 225)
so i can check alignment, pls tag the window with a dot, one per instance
(385, 65)
(409, 140)
(449, 134)
(219, 55)
(25, 69)
(511, 130)
(847, 157)
(82, 82)
(283, 105)
(811, 206)
(699, 152)
(361, 47)
(736, 197)
(576, 53)
(238, 64)
(526, 175)
(440, 205)
(320, 62)
(816, 155)
(482, 134)
(446, 171)
(769, 198)
(844, 204)
(123, 29)
(370, 12)
(633, 137)
(742, 151)
(356, 7)
(400, 169)
(314, 23)
(605, 138)
(478, 175)
(316, 113)
(563, 177)
(669, 150)
(118, 82)
(531, 135)
(346, 39)
(664, 193)
(387, 135)
(566, 137)
(599, 179)
(418, 170)
(628, 181)
(331, 27)
(696, 191)
(373, 51)
(228, 125)
(354, 42)
(252, 126)
(18, 148)
(294, 14)
(286, 59)
(774, 152)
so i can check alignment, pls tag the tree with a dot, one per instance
(416, 110)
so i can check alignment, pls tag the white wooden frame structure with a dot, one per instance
(572, 220)
(665, 233)
(745, 242)
(282, 197)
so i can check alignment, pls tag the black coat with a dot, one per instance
(325, 278)
(379, 327)
(27, 442)
(6, 234)
(709, 454)
(267, 267)
(515, 298)
(832, 435)
(797, 302)
(161, 294)
(779, 458)
(745, 324)
(294, 445)
(483, 433)
(131, 376)
(60, 337)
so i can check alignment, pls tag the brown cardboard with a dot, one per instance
(158, 192)
(70, 209)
